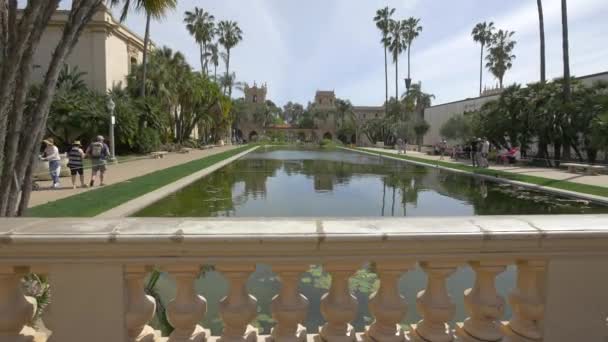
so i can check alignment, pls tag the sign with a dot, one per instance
(113, 120)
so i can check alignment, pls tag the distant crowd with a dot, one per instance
(477, 150)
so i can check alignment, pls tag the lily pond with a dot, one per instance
(292, 182)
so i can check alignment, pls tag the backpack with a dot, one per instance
(97, 150)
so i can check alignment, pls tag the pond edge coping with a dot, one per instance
(131, 207)
(555, 191)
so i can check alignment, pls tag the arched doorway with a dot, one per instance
(253, 136)
(301, 136)
(353, 139)
(327, 136)
(343, 139)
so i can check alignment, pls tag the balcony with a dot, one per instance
(96, 271)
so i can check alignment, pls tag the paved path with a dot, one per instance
(557, 174)
(120, 172)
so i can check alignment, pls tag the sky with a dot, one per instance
(298, 47)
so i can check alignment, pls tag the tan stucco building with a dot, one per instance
(105, 51)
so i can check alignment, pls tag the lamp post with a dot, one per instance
(408, 84)
(111, 106)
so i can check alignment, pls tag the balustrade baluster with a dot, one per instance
(527, 303)
(338, 306)
(187, 309)
(238, 308)
(387, 305)
(16, 309)
(483, 304)
(289, 307)
(140, 307)
(435, 304)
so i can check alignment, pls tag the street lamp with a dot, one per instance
(111, 106)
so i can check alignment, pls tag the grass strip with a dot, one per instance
(553, 183)
(95, 202)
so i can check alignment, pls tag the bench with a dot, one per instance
(591, 170)
(185, 150)
(158, 154)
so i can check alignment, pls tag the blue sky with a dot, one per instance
(298, 47)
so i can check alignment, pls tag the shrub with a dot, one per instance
(147, 141)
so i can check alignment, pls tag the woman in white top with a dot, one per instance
(51, 154)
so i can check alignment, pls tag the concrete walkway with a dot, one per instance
(557, 174)
(120, 173)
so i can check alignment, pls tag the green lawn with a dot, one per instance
(95, 202)
(557, 184)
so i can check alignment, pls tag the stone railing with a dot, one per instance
(96, 271)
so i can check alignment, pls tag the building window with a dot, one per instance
(255, 98)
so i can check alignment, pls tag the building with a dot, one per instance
(105, 51)
(438, 115)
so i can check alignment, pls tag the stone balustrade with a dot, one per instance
(96, 271)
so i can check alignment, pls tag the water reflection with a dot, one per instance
(274, 183)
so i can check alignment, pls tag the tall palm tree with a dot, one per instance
(230, 34)
(213, 55)
(541, 24)
(411, 30)
(201, 25)
(566, 52)
(500, 57)
(482, 34)
(383, 21)
(154, 9)
(397, 45)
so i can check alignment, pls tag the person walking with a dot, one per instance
(75, 163)
(443, 146)
(485, 151)
(51, 154)
(399, 145)
(474, 159)
(99, 153)
(478, 155)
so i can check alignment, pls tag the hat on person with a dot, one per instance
(77, 143)
(99, 138)
(48, 141)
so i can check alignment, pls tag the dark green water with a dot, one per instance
(287, 182)
(315, 183)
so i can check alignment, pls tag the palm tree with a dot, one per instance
(397, 45)
(214, 56)
(412, 30)
(201, 26)
(154, 9)
(383, 21)
(482, 34)
(541, 24)
(500, 57)
(566, 52)
(230, 35)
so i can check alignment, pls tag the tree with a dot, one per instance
(383, 21)
(412, 30)
(500, 59)
(541, 24)
(214, 56)
(457, 128)
(153, 9)
(21, 127)
(201, 25)
(482, 34)
(566, 52)
(293, 112)
(230, 35)
(397, 45)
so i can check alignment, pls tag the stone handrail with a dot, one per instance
(96, 270)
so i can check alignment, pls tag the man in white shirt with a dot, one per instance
(51, 154)
(485, 151)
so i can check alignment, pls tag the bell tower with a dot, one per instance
(255, 94)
